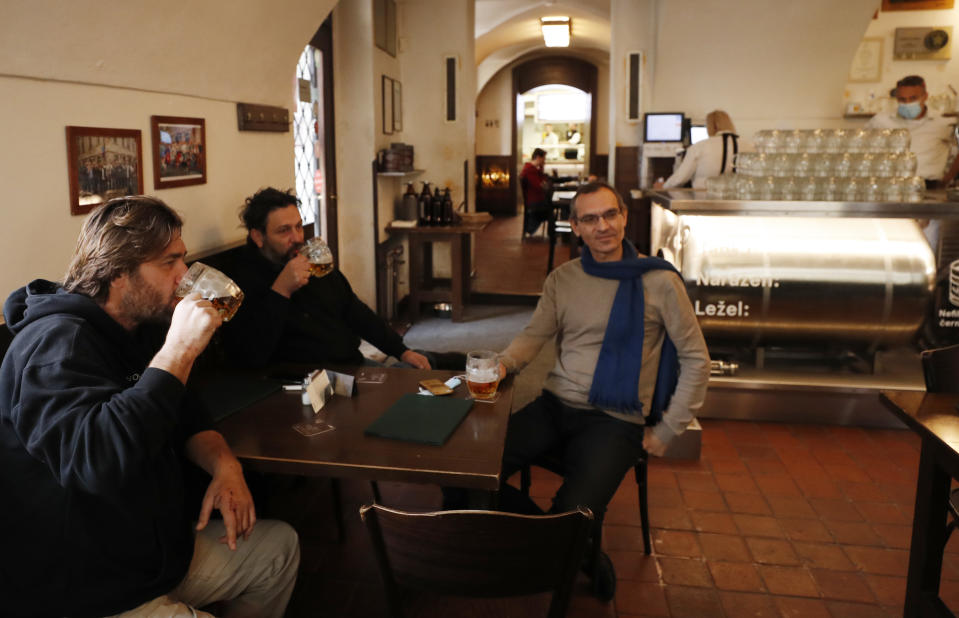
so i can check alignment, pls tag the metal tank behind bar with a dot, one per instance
(801, 280)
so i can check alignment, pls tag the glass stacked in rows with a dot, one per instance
(850, 165)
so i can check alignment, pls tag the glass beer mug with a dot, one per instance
(211, 285)
(482, 374)
(318, 253)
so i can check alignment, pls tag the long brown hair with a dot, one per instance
(116, 238)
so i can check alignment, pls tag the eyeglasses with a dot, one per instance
(610, 216)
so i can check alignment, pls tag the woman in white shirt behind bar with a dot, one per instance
(710, 157)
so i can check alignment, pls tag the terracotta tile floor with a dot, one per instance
(506, 265)
(773, 520)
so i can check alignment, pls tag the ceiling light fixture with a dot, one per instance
(556, 31)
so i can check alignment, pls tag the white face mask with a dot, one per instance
(909, 111)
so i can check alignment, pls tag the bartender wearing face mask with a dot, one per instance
(930, 134)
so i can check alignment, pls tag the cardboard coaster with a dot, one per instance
(492, 399)
(313, 428)
(370, 376)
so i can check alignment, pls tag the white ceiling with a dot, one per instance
(514, 25)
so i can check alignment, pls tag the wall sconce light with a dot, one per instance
(556, 31)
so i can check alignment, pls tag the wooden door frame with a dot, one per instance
(323, 40)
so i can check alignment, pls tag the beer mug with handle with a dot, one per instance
(482, 374)
(319, 255)
(213, 286)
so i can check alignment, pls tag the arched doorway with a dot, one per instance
(561, 71)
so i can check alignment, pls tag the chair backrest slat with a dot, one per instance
(478, 553)
(940, 366)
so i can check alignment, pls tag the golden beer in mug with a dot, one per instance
(316, 251)
(227, 305)
(321, 270)
(211, 285)
(482, 374)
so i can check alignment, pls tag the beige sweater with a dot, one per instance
(575, 308)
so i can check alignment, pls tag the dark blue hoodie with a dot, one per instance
(93, 520)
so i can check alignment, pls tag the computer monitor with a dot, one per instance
(697, 133)
(663, 127)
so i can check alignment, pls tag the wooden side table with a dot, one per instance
(423, 286)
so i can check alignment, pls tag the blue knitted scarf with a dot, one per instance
(616, 378)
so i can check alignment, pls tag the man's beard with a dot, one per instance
(281, 258)
(143, 303)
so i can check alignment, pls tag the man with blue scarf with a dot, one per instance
(624, 328)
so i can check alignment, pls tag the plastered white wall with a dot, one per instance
(768, 63)
(494, 106)
(633, 28)
(113, 64)
(235, 50)
(356, 126)
(39, 234)
(389, 188)
(939, 74)
(431, 30)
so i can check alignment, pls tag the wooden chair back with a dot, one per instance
(477, 553)
(524, 186)
(940, 366)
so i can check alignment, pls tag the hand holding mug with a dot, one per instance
(294, 275)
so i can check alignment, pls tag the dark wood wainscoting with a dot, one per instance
(626, 174)
(600, 166)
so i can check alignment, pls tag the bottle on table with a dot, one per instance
(436, 208)
(447, 207)
(423, 205)
(409, 207)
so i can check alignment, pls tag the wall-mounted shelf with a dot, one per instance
(400, 174)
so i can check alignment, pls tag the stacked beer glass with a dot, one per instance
(849, 165)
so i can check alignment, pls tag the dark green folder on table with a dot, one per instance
(420, 418)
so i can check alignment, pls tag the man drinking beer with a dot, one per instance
(96, 428)
(289, 315)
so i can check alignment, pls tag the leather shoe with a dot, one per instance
(604, 577)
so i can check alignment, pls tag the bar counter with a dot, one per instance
(697, 202)
(786, 288)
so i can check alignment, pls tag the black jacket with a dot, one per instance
(321, 322)
(93, 520)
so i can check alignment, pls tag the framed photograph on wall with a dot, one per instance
(179, 151)
(387, 101)
(916, 5)
(397, 106)
(103, 164)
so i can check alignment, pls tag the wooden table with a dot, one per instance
(426, 288)
(263, 438)
(935, 418)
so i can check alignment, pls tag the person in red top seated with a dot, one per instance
(536, 186)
